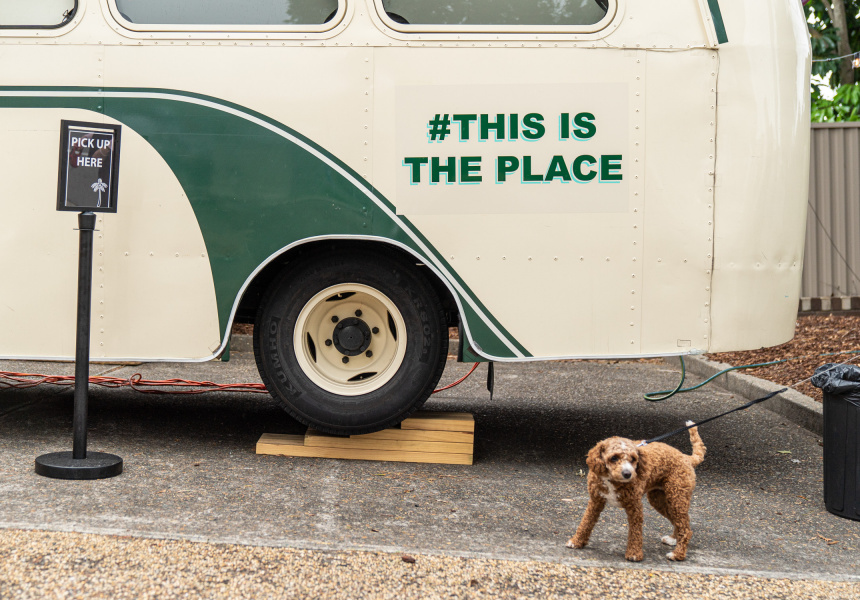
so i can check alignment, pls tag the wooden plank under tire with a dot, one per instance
(452, 442)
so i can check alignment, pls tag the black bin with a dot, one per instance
(841, 387)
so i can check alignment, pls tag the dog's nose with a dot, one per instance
(627, 474)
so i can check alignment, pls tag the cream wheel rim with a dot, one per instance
(350, 339)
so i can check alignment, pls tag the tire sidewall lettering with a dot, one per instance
(426, 330)
(272, 341)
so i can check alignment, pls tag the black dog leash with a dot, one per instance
(685, 428)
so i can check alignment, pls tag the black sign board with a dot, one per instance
(89, 166)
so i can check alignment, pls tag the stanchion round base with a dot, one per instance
(62, 465)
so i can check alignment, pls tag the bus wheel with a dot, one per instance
(351, 344)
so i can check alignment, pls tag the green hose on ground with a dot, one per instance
(665, 394)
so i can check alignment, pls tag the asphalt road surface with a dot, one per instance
(191, 474)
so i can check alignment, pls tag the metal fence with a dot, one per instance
(831, 261)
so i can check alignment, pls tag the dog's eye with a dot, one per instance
(613, 459)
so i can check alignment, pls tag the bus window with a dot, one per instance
(227, 12)
(26, 14)
(496, 12)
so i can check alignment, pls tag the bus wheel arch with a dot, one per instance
(351, 338)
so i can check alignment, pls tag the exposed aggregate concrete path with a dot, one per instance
(71, 565)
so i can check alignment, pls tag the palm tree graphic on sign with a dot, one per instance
(99, 186)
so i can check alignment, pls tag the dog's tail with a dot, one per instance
(699, 448)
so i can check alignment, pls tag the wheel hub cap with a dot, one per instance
(351, 336)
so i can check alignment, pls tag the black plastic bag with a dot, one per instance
(838, 380)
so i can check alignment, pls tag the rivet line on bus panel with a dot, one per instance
(711, 182)
(369, 117)
(98, 293)
(636, 185)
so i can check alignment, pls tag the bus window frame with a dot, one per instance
(69, 20)
(411, 30)
(225, 30)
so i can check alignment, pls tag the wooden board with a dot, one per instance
(440, 421)
(315, 438)
(419, 435)
(293, 445)
(420, 444)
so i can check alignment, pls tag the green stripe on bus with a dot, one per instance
(254, 191)
(719, 25)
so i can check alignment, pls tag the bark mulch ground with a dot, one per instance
(815, 335)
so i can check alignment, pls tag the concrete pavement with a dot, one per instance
(191, 473)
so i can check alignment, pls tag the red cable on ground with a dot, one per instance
(138, 384)
(135, 382)
(459, 381)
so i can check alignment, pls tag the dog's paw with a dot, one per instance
(635, 556)
(668, 540)
(671, 556)
(573, 543)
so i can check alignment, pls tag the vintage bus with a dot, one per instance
(559, 178)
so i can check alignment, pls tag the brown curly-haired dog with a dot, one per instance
(620, 473)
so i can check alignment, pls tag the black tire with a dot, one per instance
(307, 378)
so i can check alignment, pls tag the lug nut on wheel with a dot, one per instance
(375, 330)
(328, 342)
(334, 319)
(345, 359)
(368, 354)
(358, 313)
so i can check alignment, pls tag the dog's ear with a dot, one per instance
(594, 460)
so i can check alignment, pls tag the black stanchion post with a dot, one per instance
(86, 225)
(78, 464)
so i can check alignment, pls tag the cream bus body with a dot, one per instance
(630, 182)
